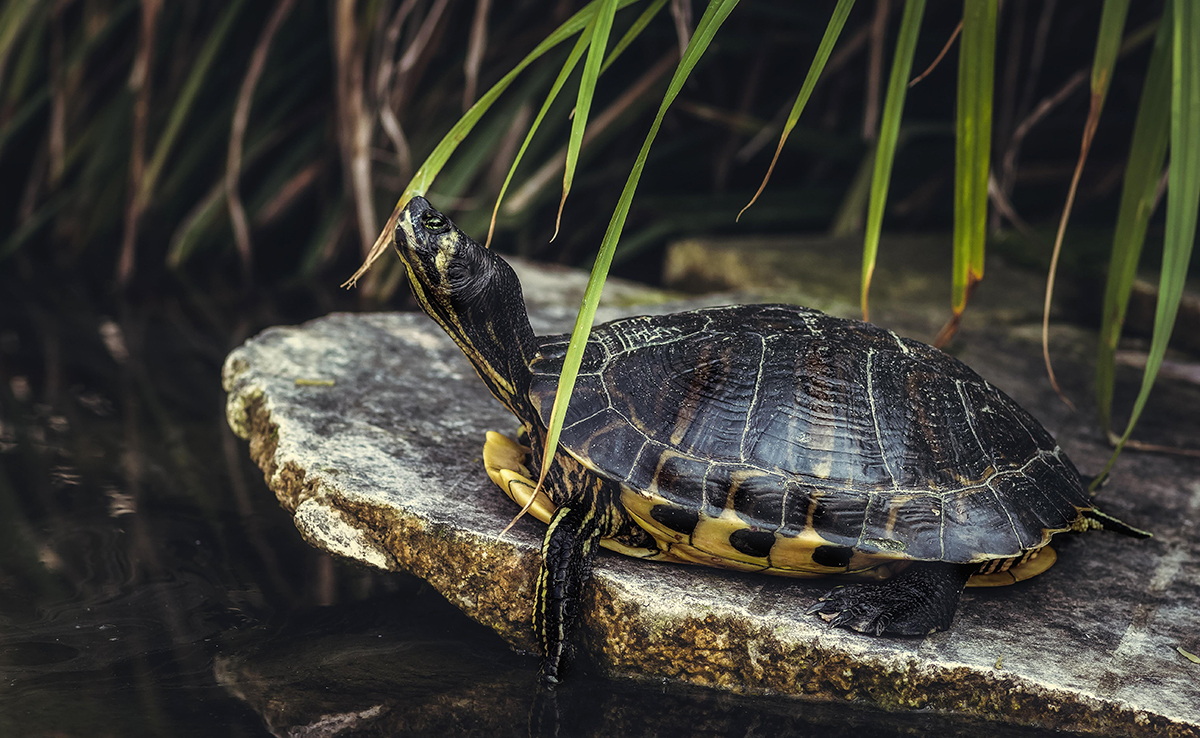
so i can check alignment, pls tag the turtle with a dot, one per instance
(760, 438)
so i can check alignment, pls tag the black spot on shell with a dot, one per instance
(678, 519)
(835, 556)
(752, 542)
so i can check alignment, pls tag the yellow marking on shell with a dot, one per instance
(823, 468)
(895, 502)
(1033, 563)
(709, 542)
(711, 537)
(692, 555)
(639, 505)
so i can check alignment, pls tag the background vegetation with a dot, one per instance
(151, 145)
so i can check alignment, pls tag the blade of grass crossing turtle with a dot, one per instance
(1108, 42)
(1183, 196)
(889, 132)
(714, 15)
(601, 26)
(832, 32)
(1147, 152)
(425, 174)
(973, 142)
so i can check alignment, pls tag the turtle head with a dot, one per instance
(473, 294)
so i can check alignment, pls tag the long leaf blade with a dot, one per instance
(424, 176)
(568, 66)
(1108, 43)
(1147, 151)
(973, 146)
(832, 31)
(1183, 196)
(706, 29)
(889, 134)
(601, 26)
(573, 58)
(187, 97)
(634, 31)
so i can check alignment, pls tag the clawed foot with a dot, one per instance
(843, 608)
(919, 601)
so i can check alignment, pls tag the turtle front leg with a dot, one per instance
(918, 601)
(567, 554)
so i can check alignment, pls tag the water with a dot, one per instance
(150, 585)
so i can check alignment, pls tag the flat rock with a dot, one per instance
(369, 430)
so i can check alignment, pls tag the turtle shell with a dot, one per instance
(788, 435)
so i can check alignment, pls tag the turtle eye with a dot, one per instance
(433, 221)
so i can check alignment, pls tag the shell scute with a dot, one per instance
(907, 521)
(813, 430)
(976, 524)
(758, 497)
(840, 514)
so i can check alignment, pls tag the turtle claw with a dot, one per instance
(840, 609)
(816, 607)
(919, 601)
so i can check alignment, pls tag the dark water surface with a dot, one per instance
(150, 585)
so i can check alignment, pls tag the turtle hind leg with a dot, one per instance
(567, 554)
(917, 601)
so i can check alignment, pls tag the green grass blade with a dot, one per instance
(889, 132)
(12, 19)
(27, 71)
(1147, 151)
(26, 113)
(601, 26)
(973, 143)
(634, 31)
(187, 97)
(421, 180)
(568, 66)
(1183, 195)
(40, 218)
(428, 171)
(832, 31)
(1108, 45)
(706, 29)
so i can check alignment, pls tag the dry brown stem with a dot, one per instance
(241, 117)
(139, 84)
(475, 49)
(875, 70)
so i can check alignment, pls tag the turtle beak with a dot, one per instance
(408, 235)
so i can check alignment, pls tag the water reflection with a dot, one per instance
(150, 585)
(134, 537)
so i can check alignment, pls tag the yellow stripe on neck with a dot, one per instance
(458, 334)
